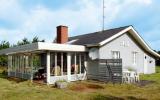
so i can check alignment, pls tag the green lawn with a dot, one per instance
(84, 90)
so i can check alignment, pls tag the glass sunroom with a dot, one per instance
(47, 61)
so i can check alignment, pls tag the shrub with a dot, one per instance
(131, 69)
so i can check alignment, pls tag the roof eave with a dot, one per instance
(40, 46)
(136, 35)
(92, 45)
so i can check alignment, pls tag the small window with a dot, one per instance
(134, 58)
(116, 54)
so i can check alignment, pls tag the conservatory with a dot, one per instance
(47, 61)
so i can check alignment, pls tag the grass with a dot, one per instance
(82, 90)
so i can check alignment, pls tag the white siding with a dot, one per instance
(126, 45)
(150, 64)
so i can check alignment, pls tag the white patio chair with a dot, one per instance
(132, 77)
(136, 77)
(126, 77)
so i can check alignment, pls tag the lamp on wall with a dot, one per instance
(145, 57)
(150, 61)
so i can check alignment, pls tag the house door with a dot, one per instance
(145, 64)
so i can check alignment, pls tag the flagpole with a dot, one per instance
(103, 17)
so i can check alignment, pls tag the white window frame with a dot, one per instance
(135, 58)
(116, 54)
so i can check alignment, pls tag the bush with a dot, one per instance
(131, 69)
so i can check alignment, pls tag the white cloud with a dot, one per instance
(42, 21)
(147, 2)
(12, 11)
(11, 35)
(123, 9)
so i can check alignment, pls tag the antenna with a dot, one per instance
(103, 16)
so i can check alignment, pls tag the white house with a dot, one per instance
(77, 58)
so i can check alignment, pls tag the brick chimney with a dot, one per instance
(62, 34)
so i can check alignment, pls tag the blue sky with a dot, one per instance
(29, 18)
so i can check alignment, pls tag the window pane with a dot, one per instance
(72, 63)
(64, 63)
(77, 64)
(134, 57)
(58, 64)
(58, 61)
(36, 62)
(52, 62)
(115, 54)
(82, 63)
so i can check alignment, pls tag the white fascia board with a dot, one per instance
(43, 46)
(136, 35)
(142, 42)
(61, 47)
(115, 36)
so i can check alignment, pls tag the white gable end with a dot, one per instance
(138, 38)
